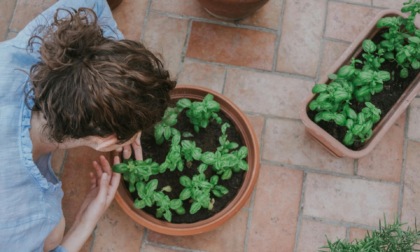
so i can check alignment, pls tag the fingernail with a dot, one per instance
(104, 176)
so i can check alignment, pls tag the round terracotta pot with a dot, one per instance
(242, 124)
(113, 3)
(232, 9)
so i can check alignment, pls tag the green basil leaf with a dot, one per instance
(139, 204)
(202, 168)
(415, 64)
(414, 40)
(227, 174)
(168, 216)
(369, 46)
(208, 158)
(404, 73)
(195, 207)
(175, 204)
(185, 194)
(319, 88)
(185, 181)
(183, 103)
(348, 138)
(214, 180)
(152, 185)
(180, 211)
(120, 168)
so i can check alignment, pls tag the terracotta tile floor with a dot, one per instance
(267, 64)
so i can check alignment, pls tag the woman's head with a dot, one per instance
(89, 85)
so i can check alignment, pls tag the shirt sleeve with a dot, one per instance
(59, 249)
(101, 8)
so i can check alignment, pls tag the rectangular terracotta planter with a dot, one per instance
(332, 144)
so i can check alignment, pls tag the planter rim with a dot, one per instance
(250, 140)
(334, 146)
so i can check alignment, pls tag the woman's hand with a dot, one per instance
(135, 147)
(104, 184)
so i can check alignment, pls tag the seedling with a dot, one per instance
(360, 80)
(228, 158)
(389, 237)
(198, 189)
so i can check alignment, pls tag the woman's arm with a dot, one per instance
(104, 184)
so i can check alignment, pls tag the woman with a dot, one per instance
(80, 84)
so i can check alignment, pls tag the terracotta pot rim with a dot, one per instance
(250, 179)
(333, 145)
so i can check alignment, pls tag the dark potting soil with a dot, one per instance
(208, 140)
(384, 100)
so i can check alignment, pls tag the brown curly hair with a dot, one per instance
(90, 85)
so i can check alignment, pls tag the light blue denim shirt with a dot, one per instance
(30, 193)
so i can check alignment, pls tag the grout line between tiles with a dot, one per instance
(322, 46)
(323, 172)
(144, 240)
(355, 167)
(8, 30)
(278, 73)
(249, 220)
(300, 212)
(176, 248)
(339, 223)
(278, 36)
(352, 3)
(215, 22)
(224, 80)
(403, 168)
(184, 49)
(146, 20)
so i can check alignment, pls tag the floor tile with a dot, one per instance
(287, 142)
(331, 52)
(314, 234)
(239, 47)
(230, 236)
(357, 234)
(268, 16)
(275, 211)
(300, 42)
(389, 4)
(375, 166)
(414, 120)
(365, 2)
(6, 14)
(156, 248)
(258, 123)
(202, 74)
(117, 232)
(345, 21)
(129, 16)
(266, 93)
(26, 10)
(166, 36)
(180, 7)
(350, 200)
(411, 198)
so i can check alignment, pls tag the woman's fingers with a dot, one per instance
(103, 188)
(127, 151)
(106, 167)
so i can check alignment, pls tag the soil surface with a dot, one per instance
(384, 100)
(208, 140)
